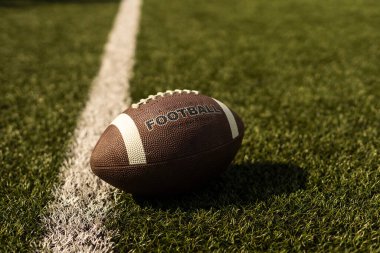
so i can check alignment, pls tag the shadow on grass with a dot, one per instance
(240, 185)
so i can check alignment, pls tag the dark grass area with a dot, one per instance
(49, 55)
(304, 76)
(25, 3)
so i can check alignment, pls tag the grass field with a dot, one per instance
(49, 55)
(302, 74)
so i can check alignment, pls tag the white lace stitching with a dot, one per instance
(161, 94)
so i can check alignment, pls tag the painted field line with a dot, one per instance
(74, 221)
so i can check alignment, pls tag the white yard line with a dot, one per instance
(75, 218)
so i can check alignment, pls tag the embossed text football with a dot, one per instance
(169, 143)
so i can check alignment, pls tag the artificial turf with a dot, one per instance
(304, 77)
(49, 52)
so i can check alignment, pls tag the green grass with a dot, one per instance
(304, 76)
(49, 55)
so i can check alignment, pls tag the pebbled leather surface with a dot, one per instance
(171, 177)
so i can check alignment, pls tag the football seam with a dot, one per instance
(158, 99)
(179, 158)
(163, 94)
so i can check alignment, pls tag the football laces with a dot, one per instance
(162, 94)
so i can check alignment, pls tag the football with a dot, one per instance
(168, 143)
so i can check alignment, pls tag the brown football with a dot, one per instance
(169, 143)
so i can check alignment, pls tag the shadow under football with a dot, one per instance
(242, 184)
